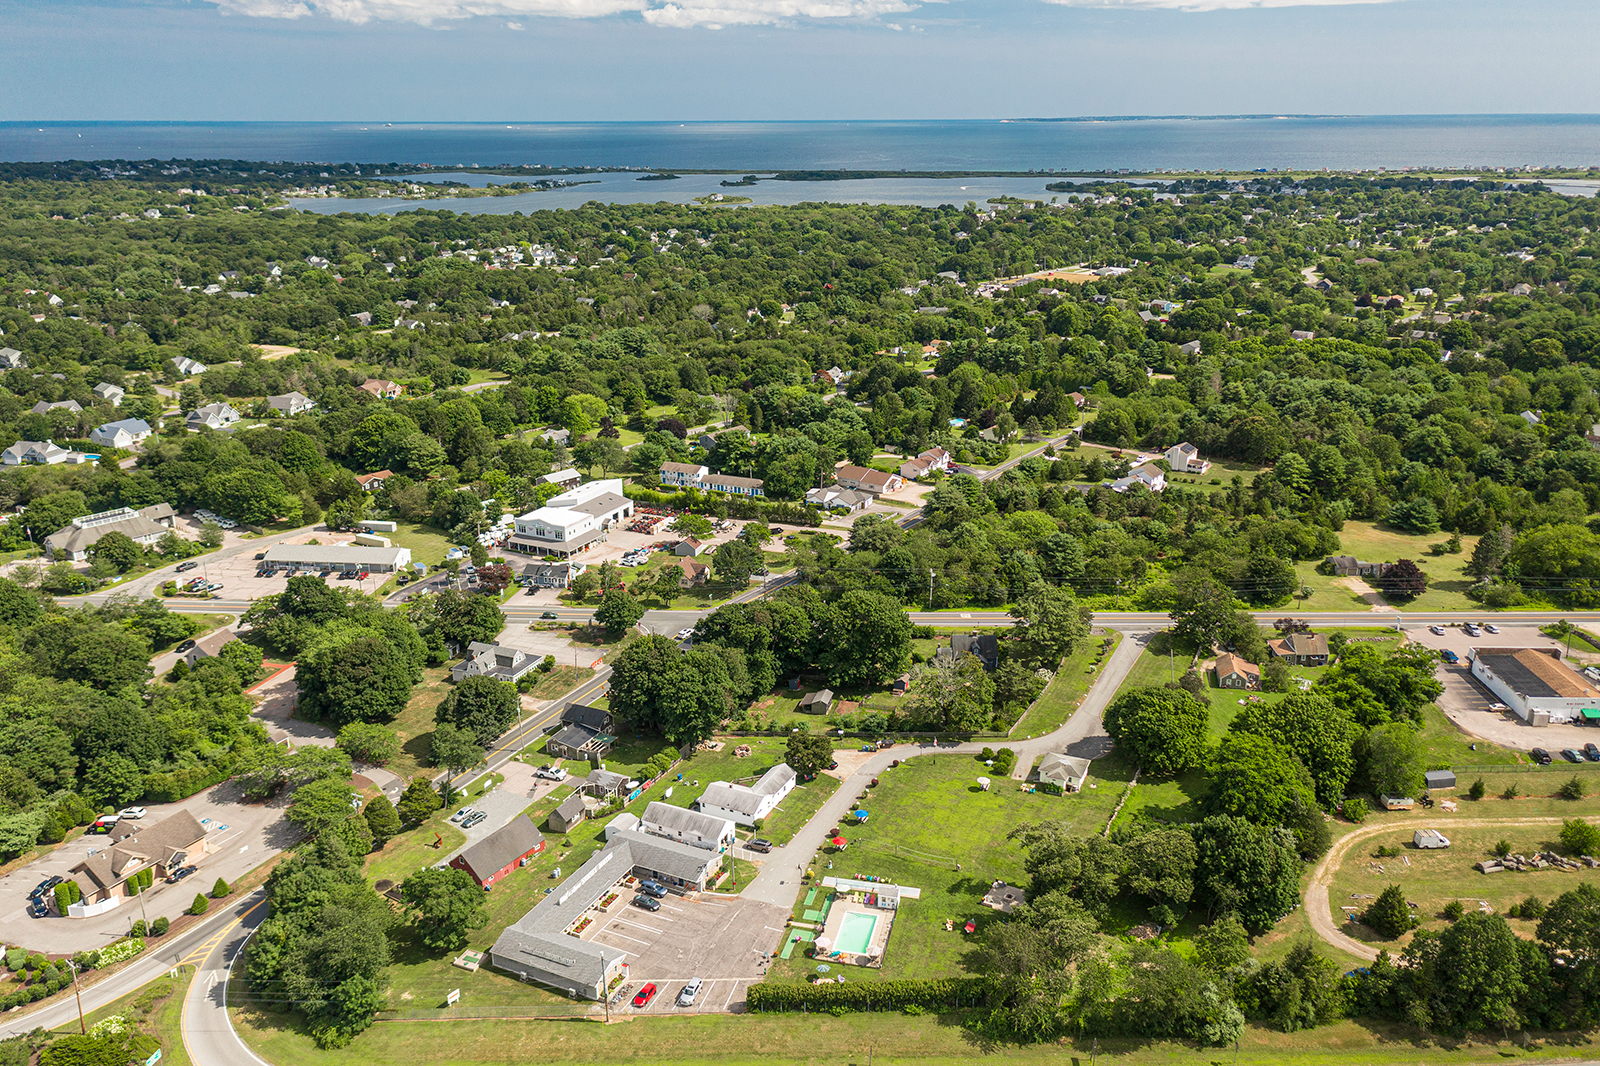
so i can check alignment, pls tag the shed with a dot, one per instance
(1397, 803)
(622, 823)
(497, 854)
(819, 702)
(1440, 779)
(572, 811)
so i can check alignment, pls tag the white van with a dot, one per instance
(1429, 839)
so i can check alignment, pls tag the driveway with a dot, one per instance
(501, 805)
(244, 836)
(279, 696)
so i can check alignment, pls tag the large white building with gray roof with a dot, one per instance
(544, 945)
(687, 827)
(747, 804)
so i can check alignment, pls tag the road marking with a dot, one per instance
(731, 991)
(636, 925)
(625, 936)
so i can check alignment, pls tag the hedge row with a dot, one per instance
(946, 992)
(715, 503)
(181, 784)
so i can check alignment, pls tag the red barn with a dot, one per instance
(497, 854)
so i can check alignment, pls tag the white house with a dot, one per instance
(38, 453)
(494, 661)
(11, 359)
(833, 498)
(1068, 771)
(189, 367)
(1149, 475)
(687, 827)
(863, 479)
(114, 394)
(123, 434)
(145, 526)
(572, 521)
(683, 475)
(934, 458)
(290, 403)
(734, 486)
(1185, 459)
(747, 804)
(213, 416)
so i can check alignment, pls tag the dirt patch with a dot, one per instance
(1374, 599)
(275, 351)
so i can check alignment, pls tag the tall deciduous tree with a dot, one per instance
(483, 706)
(445, 905)
(1247, 870)
(455, 749)
(1319, 733)
(1162, 730)
(1049, 623)
(618, 611)
(871, 640)
(360, 679)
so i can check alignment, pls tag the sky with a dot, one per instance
(659, 60)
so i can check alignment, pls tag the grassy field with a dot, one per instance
(886, 1039)
(928, 816)
(1432, 879)
(1448, 580)
(414, 726)
(1065, 691)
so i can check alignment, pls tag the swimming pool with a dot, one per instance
(855, 932)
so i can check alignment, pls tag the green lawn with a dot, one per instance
(927, 816)
(413, 849)
(1433, 878)
(414, 726)
(1066, 690)
(1448, 580)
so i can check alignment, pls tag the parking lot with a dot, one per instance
(237, 574)
(1471, 706)
(241, 837)
(619, 542)
(725, 941)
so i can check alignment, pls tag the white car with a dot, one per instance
(1437, 631)
(683, 634)
(462, 815)
(134, 813)
(1491, 628)
(690, 991)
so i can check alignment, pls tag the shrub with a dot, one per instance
(219, 889)
(200, 904)
(1512, 791)
(16, 959)
(1355, 809)
(1453, 911)
(1477, 790)
(1532, 908)
(1502, 848)
(160, 926)
(140, 929)
(121, 950)
(1572, 789)
(1389, 914)
(1579, 837)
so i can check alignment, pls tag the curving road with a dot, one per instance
(208, 1033)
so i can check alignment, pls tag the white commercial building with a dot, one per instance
(572, 521)
(687, 827)
(1535, 683)
(336, 557)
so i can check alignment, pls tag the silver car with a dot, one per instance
(690, 991)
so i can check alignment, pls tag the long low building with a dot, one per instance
(346, 557)
(545, 944)
(573, 521)
(747, 804)
(1534, 682)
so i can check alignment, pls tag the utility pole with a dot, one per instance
(930, 589)
(82, 1028)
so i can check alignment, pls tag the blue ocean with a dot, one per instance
(1138, 144)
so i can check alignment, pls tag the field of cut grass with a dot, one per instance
(1076, 675)
(1448, 580)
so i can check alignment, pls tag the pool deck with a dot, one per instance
(883, 919)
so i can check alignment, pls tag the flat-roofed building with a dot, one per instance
(344, 557)
(1534, 682)
(574, 520)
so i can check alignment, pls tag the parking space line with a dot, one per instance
(731, 991)
(625, 936)
(636, 925)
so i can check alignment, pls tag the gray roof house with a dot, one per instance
(586, 732)
(290, 403)
(747, 804)
(819, 702)
(603, 784)
(213, 416)
(687, 827)
(124, 433)
(986, 646)
(492, 660)
(573, 810)
(189, 367)
(42, 408)
(114, 394)
(11, 359)
(38, 453)
(1068, 771)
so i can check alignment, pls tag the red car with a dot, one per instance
(645, 995)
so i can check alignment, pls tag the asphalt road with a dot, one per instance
(188, 947)
(208, 1034)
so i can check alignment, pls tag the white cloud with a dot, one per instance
(1206, 5)
(712, 14)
